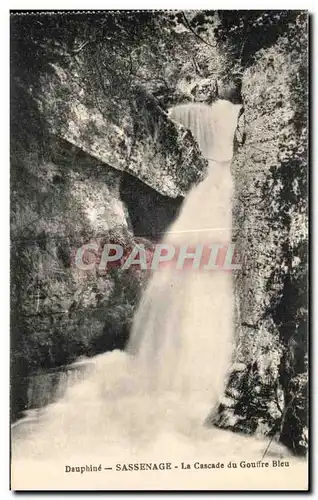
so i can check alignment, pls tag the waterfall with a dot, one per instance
(212, 126)
(183, 330)
(155, 396)
(181, 341)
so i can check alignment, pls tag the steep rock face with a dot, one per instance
(270, 172)
(59, 202)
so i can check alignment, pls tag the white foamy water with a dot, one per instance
(150, 402)
(183, 330)
(212, 126)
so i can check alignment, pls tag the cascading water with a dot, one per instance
(156, 396)
(183, 329)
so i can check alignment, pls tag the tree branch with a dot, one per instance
(187, 24)
(76, 51)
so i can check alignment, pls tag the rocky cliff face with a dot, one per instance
(92, 170)
(95, 157)
(271, 233)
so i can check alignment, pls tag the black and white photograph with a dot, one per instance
(159, 250)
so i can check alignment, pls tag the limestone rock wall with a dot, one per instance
(270, 215)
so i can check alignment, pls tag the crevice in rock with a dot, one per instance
(150, 212)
